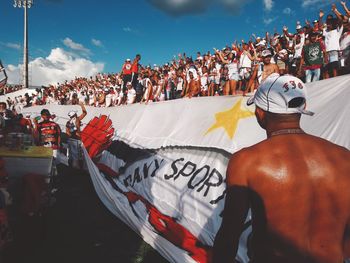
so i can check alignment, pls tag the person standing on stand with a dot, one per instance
(135, 71)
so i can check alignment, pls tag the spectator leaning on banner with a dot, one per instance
(313, 56)
(262, 70)
(131, 94)
(332, 34)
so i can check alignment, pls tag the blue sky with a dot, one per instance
(83, 37)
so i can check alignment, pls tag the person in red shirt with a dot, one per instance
(127, 73)
(48, 132)
(25, 124)
(135, 70)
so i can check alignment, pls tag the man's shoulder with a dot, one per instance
(328, 145)
(244, 160)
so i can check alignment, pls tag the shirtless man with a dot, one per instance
(296, 185)
(74, 123)
(193, 88)
(262, 70)
(73, 130)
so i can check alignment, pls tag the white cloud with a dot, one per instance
(315, 3)
(11, 45)
(127, 29)
(287, 11)
(59, 66)
(268, 4)
(76, 46)
(233, 6)
(187, 7)
(130, 30)
(96, 42)
(268, 21)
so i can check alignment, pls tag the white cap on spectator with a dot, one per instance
(72, 113)
(299, 27)
(128, 59)
(192, 70)
(128, 83)
(266, 53)
(281, 94)
(200, 58)
(283, 52)
(261, 43)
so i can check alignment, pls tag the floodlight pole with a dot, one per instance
(25, 47)
(25, 4)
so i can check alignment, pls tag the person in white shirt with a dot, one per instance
(204, 81)
(82, 96)
(109, 96)
(298, 48)
(130, 94)
(332, 35)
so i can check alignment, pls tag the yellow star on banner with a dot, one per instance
(229, 119)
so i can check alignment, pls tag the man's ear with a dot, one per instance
(260, 116)
(259, 113)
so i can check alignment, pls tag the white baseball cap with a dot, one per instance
(266, 53)
(281, 94)
(72, 113)
(261, 43)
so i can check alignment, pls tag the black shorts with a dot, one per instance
(333, 65)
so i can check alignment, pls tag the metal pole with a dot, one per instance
(25, 47)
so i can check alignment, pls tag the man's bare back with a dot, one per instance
(299, 188)
(296, 185)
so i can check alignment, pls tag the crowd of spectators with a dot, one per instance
(317, 50)
(6, 89)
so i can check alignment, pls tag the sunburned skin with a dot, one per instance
(268, 70)
(301, 198)
(297, 187)
(193, 88)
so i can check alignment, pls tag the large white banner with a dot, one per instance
(161, 167)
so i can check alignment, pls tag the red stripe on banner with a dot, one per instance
(107, 170)
(175, 233)
(167, 226)
(96, 137)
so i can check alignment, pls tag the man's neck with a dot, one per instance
(275, 128)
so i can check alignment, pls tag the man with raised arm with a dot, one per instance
(262, 70)
(73, 130)
(296, 185)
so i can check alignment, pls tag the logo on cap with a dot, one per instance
(281, 94)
